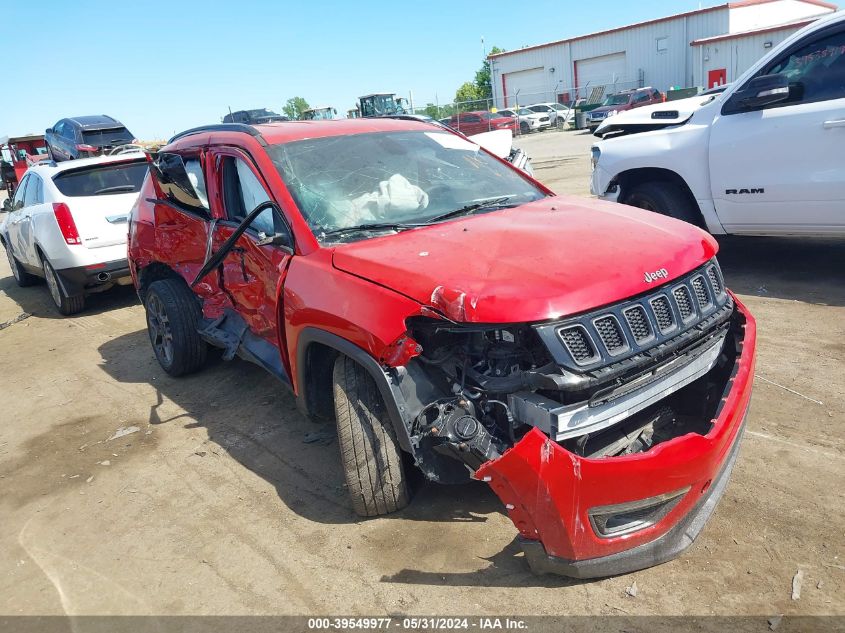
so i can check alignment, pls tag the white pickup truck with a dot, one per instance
(764, 157)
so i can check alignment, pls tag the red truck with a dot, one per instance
(449, 313)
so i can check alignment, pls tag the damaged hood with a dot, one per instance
(653, 117)
(544, 260)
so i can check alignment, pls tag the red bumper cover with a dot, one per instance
(549, 491)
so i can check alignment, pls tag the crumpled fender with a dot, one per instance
(548, 490)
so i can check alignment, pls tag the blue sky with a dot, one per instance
(161, 67)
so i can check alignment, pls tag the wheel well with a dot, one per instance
(629, 179)
(319, 365)
(154, 272)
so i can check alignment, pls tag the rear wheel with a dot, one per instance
(372, 459)
(524, 128)
(173, 315)
(22, 277)
(66, 304)
(666, 198)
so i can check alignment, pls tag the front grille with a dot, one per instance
(699, 287)
(614, 333)
(610, 333)
(715, 280)
(682, 298)
(578, 343)
(638, 322)
(663, 313)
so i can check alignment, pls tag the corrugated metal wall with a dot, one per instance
(735, 55)
(659, 69)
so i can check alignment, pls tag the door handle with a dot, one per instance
(834, 123)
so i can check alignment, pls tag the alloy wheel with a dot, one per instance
(161, 335)
(52, 283)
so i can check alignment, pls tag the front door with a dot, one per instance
(252, 274)
(781, 169)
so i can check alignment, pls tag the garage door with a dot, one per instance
(525, 86)
(599, 71)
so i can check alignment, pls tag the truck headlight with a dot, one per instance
(595, 154)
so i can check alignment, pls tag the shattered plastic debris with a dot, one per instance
(774, 622)
(632, 590)
(124, 430)
(17, 319)
(797, 579)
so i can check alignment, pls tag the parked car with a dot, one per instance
(558, 113)
(622, 101)
(764, 157)
(481, 121)
(86, 136)
(254, 117)
(67, 225)
(528, 121)
(451, 314)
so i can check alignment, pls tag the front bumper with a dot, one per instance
(550, 491)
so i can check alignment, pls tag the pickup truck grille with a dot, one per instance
(614, 333)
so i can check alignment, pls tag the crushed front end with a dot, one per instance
(609, 435)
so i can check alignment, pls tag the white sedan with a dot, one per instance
(528, 121)
(67, 224)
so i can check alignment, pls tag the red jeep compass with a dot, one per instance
(452, 314)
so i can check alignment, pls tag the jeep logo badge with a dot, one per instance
(660, 273)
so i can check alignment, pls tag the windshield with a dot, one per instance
(407, 177)
(614, 100)
(379, 105)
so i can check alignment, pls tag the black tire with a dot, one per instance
(370, 455)
(22, 277)
(66, 304)
(173, 314)
(524, 128)
(666, 198)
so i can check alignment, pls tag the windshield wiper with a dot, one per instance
(115, 189)
(490, 203)
(375, 226)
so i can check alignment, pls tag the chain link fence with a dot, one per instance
(560, 105)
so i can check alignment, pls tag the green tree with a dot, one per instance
(294, 107)
(467, 96)
(482, 76)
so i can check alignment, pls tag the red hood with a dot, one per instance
(554, 257)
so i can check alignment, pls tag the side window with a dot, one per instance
(242, 192)
(21, 191)
(641, 97)
(57, 129)
(193, 168)
(68, 131)
(816, 71)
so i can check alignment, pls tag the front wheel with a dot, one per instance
(524, 128)
(666, 198)
(173, 315)
(66, 303)
(372, 459)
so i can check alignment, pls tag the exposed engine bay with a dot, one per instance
(596, 387)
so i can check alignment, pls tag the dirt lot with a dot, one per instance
(217, 505)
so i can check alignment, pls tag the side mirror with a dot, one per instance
(7, 205)
(758, 93)
(277, 239)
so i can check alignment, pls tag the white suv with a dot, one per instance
(529, 121)
(765, 157)
(67, 224)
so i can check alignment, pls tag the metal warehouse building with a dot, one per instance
(706, 47)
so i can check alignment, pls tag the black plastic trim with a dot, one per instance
(75, 280)
(394, 401)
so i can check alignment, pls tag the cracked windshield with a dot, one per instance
(349, 187)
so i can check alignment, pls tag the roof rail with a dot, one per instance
(222, 127)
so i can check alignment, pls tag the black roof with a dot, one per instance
(96, 122)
